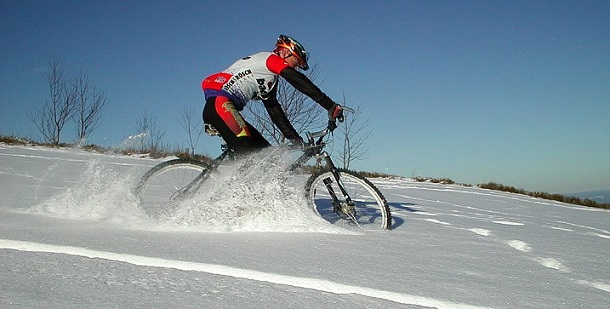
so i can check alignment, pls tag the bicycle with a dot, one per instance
(341, 197)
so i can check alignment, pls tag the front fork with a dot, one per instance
(340, 207)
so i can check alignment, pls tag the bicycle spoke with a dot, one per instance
(364, 208)
(163, 187)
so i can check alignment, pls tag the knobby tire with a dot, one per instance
(159, 190)
(162, 188)
(370, 208)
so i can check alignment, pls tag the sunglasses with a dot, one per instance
(300, 62)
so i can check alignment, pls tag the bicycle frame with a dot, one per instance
(313, 149)
(333, 191)
(317, 151)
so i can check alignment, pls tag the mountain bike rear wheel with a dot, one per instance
(363, 208)
(162, 187)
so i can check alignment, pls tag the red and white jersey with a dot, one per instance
(250, 78)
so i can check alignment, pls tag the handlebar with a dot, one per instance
(319, 135)
(313, 135)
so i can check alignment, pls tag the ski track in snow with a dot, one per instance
(482, 232)
(597, 284)
(519, 245)
(484, 223)
(215, 269)
(507, 222)
(603, 235)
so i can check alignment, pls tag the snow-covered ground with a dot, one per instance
(72, 236)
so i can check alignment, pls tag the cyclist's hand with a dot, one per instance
(332, 125)
(336, 113)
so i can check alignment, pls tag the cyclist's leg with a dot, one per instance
(257, 138)
(239, 135)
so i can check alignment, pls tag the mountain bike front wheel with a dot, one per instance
(165, 185)
(353, 202)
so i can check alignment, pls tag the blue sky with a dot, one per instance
(516, 92)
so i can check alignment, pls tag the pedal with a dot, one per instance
(210, 130)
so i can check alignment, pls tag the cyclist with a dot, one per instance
(255, 77)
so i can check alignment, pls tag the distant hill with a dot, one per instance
(600, 196)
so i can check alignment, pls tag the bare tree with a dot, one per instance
(193, 126)
(89, 105)
(51, 117)
(302, 112)
(150, 134)
(354, 133)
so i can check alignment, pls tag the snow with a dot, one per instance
(72, 236)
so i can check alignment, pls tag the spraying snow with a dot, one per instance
(100, 194)
(255, 193)
(484, 248)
